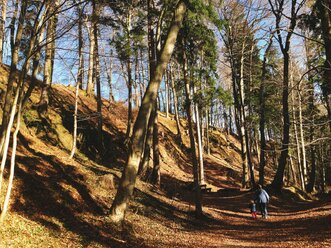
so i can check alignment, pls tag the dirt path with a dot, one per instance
(290, 224)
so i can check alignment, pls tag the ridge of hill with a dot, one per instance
(59, 201)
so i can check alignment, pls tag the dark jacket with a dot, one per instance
(261, 196)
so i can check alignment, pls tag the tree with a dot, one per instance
(324, 13)
(3, 7)
(49, 58)
(277, 9)
(16, 105)
(136, 146)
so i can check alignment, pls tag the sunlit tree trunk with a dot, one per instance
(207, 132)
(35, 70)
(242, 122)
(296, 135)
(109, 70)
(188, 104)
(15, 45)
(127, 182)
(130, 81)
(3, 7)
(16, 107)
(49, 57)
(302, 139)
(172, 81)
(199, 141)
(90, 76)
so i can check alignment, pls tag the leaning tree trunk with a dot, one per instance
(15, 110)
(35, 70)
(13, 156)
(15, 42)
(127, 182)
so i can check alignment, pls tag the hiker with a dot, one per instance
(262, 198)
(252, 207)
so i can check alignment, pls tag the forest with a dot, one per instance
(159, 123)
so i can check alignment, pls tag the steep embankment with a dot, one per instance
(61, 202)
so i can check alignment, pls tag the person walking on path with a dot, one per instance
(252, 207)
(262, 198)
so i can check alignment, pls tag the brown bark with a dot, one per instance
(3, 6)
(277, 10)
(127, 182)
(179, 133)
(262, 114)
(96, 73)
(197, 189)
(156, 174)
(15, 43)
(90, 76)
(324, 7)
(49, 58)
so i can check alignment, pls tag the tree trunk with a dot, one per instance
(15, 43)
(35, 69)
(324, 7)
(130, 82)
(166, 83)
(90, 76)
(80, 76)
(179, 133)
(148, 146)
(127, 182)
(242, 123)
(302, 140)
(156, 175)
(188, 104)
(96, 65)
(207, 132)
(49, 58)
(12, 161)
(3, 7)
(74, 135)
(110, 76)
(277, 183)
(199, 141)
(262, 114)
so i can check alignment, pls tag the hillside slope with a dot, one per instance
(61, 202)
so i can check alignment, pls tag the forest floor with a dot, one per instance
(62, 202)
